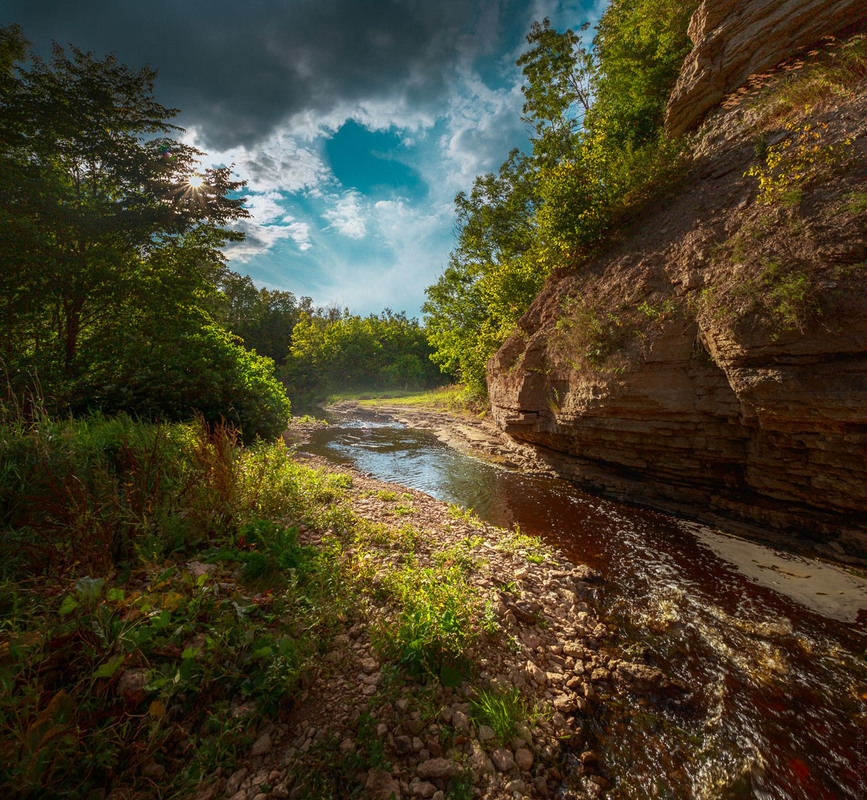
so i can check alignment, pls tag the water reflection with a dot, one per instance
(778, 686)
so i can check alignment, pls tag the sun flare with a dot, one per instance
(195, 181)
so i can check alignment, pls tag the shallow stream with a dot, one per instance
(771, 645)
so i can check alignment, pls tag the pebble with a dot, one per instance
(460, 720)
(235, 781)
(262, 745)
(436, 768)
(523, 758)
(503, 759)
(486, 733)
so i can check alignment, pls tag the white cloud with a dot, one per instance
(347, 216)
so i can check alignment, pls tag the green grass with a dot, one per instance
(828, 75)
(96, 594)
(503, 710)
(455, 398)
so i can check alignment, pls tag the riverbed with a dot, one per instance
(771, 644)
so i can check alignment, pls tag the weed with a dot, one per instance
(467, 515)
(503, 710)
(387, 495)
(856, 202)
(531, 547)
(794, 162)
(434, 621)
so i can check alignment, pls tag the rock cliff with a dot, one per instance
(734, 39)
(714, 360)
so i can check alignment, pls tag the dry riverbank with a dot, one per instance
(542, 650)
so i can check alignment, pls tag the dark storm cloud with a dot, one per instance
(237, 69)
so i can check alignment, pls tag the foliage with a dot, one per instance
(503, 710)
(434, 622)
(829, 74)
(799, 158)
(101, 679)
(111, 237)
(598, 148)
(343, 349)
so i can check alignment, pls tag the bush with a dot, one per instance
(204, 370)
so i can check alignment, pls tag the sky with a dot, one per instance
(354, 122)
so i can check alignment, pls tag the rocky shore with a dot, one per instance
(543, 646)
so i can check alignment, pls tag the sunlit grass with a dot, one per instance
(456, 397)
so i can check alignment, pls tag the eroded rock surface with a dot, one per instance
(734, 39)
(697, 402)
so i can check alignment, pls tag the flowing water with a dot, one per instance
(771, 645)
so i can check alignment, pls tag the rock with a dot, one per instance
(503, 759)
(130, 685)
(523, 758)
(486, 733)
(644, 679)
(516, 787)
(262, 745)
(536, 674)
(460, 720)
(436, 768)
(734, 39)
(369, 665)
(381, 785)
(479, 761)
(402, 745)
(723, 420)
(235, 781)
(422, 789)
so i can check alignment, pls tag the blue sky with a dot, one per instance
(354, 123)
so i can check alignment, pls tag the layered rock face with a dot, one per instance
(734, 39)
(707, 398)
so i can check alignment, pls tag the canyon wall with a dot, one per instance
(714, 360)
(733, 40)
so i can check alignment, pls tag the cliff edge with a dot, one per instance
(713, 360)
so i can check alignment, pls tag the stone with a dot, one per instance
(523, 758)
(235, 781)
(479, 761)
(130, 685)
(734, 39)
(436, 768)
(422, 789)
(262, 745)
(503, 759)
(516, 787)
(536, 674)
(380, 785)
(486, 733)
(402, 745)
(460, 720)
(369, 665)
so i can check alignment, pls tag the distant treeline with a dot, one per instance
(597, 147)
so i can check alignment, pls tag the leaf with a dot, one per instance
(450, 676)
(68, 605)
(109, 668)
(157, 709)
(189, 652)
(115, 595)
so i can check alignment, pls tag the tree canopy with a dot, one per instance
(110, 241)
(596, 146)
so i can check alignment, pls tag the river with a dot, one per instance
(772, 645)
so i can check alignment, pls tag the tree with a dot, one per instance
(559, 73)
(111, 238)
(89, 203)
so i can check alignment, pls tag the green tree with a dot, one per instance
(88, 199)
(559, 74)
(111, 238)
